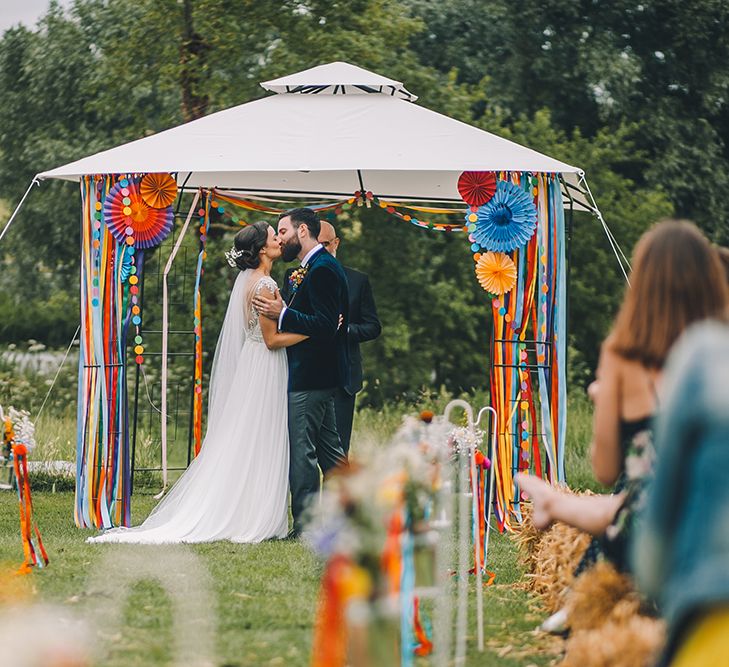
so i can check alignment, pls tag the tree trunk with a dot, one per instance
(193, 53)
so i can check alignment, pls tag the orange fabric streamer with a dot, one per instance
(25, 503)
(343, 581)
(391, 559)
(424, 646)
(329, 648)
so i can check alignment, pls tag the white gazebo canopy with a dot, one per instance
(327, 132)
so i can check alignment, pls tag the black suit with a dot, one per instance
(364, 325)
(317, 367)
(321, 361)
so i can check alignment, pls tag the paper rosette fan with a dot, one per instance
(158, 190)
(496, 272)
(128, 215)
(477, 187)
(506, 222)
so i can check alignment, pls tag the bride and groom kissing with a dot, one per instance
(271, 420)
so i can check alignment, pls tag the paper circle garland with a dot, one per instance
(506, 222)
(158, 190)
(496, 272)
(127, 260)
(131, 220)
(477, 187)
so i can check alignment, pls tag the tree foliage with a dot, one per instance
(635, 94)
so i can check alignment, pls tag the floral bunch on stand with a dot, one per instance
(19, 438)
(368, 526)
(17, 429)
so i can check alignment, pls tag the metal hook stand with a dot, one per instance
(464, 526)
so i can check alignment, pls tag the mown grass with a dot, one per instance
(578, 468)
(263, 596)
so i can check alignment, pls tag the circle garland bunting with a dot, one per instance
(506, 222)
(477, 187)
(496, 272)
(131, 220)
(158, 190)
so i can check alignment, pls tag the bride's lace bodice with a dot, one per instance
(253, 325)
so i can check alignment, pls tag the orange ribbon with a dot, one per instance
(27, 526)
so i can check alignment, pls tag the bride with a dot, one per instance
(237, 487)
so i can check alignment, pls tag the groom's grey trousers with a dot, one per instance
(312, 438)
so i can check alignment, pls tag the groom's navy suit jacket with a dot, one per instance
(322, 360)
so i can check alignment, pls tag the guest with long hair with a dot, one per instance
(676, 280)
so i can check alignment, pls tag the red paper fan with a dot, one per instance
(128, 215)
(477, 187)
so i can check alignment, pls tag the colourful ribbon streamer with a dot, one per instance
(529, 332)
(357, 199)
(329, 647)
(423, 643)
(103, 480)
(35, 554)
(197, 405)
(249, 205)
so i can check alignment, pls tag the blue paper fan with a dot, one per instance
(507, 221)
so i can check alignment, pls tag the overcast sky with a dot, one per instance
(27, 12)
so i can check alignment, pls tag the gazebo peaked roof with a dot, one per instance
(338, 79)
(327, 132)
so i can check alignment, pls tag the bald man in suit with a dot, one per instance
(364, 325)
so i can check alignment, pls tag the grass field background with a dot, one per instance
(262, 598)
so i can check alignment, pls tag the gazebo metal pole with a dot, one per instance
(165, 331)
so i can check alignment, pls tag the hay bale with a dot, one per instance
(527, 538)
(607, 627)
(635, 642)
(594, 596)
(549, 557)
(555, 558)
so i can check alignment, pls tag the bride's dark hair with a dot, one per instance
(248, 243)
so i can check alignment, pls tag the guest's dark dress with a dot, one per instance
(638, 463)
(636, 437)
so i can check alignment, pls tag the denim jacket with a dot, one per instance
(681, 546)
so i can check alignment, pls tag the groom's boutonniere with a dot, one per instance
(297, 277)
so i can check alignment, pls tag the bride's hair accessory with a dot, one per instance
(233, 254)
(247, 246)
(297, 277)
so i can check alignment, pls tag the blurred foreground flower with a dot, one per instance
(43, 636)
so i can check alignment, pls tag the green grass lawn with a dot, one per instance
(261, 601)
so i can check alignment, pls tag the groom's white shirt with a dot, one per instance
(304, 263)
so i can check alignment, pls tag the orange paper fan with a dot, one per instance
(496, 272)
(158, 190)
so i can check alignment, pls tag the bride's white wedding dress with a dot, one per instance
(237, 487)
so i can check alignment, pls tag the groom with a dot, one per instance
(318, 365)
